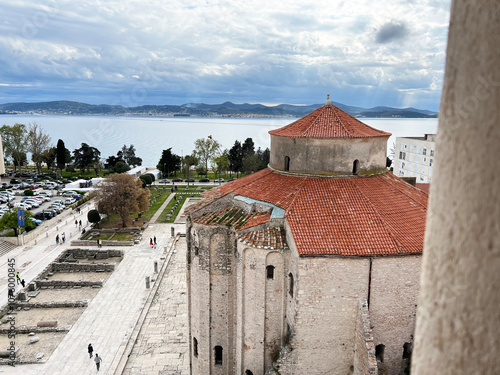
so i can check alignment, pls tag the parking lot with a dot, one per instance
(48, 199)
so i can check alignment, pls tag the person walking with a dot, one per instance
(63, 237)
(80, 224)
(97, 361)
(154, 240)
(57, 239)
(151, 242)
(18, 278)
(11, 293)
(91, 350)
(22, 283)
(76, 223)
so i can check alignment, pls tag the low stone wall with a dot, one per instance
(104, 243)
(365, 362)
(28, 329)
(61, 284)
(90, 254)
(82, 267)
(47, 305)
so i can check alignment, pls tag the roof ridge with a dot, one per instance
(341, 123)
(386, 224)
(403, 191)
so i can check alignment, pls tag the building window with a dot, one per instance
(355, 166)
(218, 355)
(290, 286)
(430, 162)
(287, 163)
(401, 154)
(195, 347)
(379, 352)
(248, 372)
(404, 155)
(432, 152)
(407, 350)
(405, 147)
(424, 151)
(196, 250)
(270, 272)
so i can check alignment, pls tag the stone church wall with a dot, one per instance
(393, 303)
(365, 362)
(328, 294)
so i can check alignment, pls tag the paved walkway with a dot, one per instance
(161, 347)
(112, 322)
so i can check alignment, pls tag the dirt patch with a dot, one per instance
(65, 317)
(28, 352)
(80, 276)
(69, 294)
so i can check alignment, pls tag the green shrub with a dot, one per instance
(28, 193)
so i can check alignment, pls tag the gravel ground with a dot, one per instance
(65, 316)
(28, 352)
(80, 276)
(71, 294)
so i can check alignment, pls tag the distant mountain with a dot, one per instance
(226, 109)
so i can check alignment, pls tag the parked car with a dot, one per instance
(36, 221)
(178, 180)
(33, 202)
(69, 201)
(22, 205)
(190, 180)
(15, 181)
(59, 201)
(219, 180)
(58, 209)
(204, 180)
(44, 215)
(77, 196)
(69, 193)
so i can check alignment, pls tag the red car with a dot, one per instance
(178, 180)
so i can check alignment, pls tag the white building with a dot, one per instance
(414, 157)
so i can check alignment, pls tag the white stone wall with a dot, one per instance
(328, 156)
(395, 284)
(328, 291)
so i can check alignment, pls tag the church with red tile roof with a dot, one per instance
(311, 264)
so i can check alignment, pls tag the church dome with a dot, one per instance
(328, 141)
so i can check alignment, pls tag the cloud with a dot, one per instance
(222, 50)
(391, 31)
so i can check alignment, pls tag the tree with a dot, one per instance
(94, 217)
(263, 157)
(169, 162)
(60, 155)
(122, 194)
(248, 147)
(205, 150)
(220, 163)
(14, 143)
(128, 155)
(49, 157)
(187, 162)
(38, 141)
(235, 157)
(112, 160)
(251, 163)
(9, 221)
(121, 167)
(87, 157)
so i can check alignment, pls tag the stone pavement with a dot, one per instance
(161, 347)
(112, 322)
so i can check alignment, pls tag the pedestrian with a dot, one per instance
(22, 282)
(11, 293)
(97, 361)
(76, 223)
(154, 241)
(64, 237)
(151, 242)
(97, 241)
(80, 223)
(90, 349)
(18, 278)
(100, 244)
(57, 239)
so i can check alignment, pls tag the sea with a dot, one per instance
(151, 135)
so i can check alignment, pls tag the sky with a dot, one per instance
(131, 52)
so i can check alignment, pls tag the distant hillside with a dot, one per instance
(226, 109)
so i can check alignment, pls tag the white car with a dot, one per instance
(46, 194)
(33, 202)
(69, 201)
(23, 205)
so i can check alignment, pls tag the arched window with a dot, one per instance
(287, 163)
(379, 352)
(218, 355)
(355, 166)
(248, 372)
(270, 272)
(195, 347)
(290, 286)
(196, 250)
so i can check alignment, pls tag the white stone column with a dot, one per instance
(458, 317)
